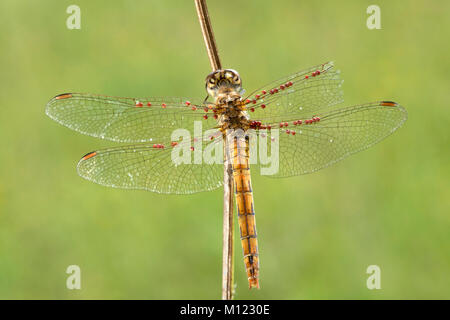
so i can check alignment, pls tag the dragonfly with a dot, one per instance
(300, 113)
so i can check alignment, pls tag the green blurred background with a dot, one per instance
(387, 206)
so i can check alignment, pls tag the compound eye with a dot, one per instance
(212, 81)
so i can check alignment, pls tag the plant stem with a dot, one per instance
(208, 34)
(228, 226)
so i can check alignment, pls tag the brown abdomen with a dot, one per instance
(246, 213)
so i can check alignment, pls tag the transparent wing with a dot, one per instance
(315, 143)
(153, 168)
(128, 119)
(294, 96)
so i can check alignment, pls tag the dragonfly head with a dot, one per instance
(225, 85)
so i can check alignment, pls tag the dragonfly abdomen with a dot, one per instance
(245, 208)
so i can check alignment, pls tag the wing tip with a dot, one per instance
(57, 97)
(389, 104)
(81, 164)
(63, 96)
(89, 155)
(393, 104)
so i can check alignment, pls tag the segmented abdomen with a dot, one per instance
(245, 208)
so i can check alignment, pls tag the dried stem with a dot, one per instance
(228, 226)
(208, 34)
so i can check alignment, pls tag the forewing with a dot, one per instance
(306, 148)
(297, 95)
(128, 119)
